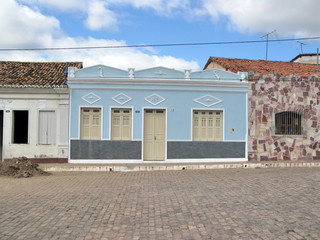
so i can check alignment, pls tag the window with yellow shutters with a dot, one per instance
(90, 123)
(121, 124)
(207, 125)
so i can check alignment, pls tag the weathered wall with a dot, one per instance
(35, 100)
(270, 94)
(307, 59)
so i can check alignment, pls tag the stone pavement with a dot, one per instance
(272, 203)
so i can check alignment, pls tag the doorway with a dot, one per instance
(154, 136)
(1, 134)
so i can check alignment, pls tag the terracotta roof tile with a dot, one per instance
(265, 67)
(44, 74)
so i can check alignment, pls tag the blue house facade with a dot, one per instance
(157, 114)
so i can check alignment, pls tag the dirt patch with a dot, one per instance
(20, 167)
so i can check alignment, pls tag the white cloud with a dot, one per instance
(160, 6)
(163, 7)
(118, 57)
(288, 17)
(99, 16)
(22, 27)
(61, 5)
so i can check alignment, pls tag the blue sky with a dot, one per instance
(78, 23)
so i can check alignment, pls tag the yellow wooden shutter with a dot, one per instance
(121, 124)
(90, 123)
(126, 124)
(96, 124)
(207, 125)
(218, 126)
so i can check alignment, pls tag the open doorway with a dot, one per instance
(20, 126)
(1, 134)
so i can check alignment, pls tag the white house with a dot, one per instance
(34, 110)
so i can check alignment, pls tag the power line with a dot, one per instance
(158, 45)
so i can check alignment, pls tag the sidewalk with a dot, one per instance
(70, 167)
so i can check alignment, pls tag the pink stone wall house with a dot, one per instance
(283, 108)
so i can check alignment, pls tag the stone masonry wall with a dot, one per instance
(270, 94)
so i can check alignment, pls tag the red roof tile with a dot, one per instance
(264, 67)
(45, 74)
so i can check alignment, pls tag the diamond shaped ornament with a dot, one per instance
(208, 100)
(121, 98)
(154, 99)
(91, 98)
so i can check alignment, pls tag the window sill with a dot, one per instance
(289, 136)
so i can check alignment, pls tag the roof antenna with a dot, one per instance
(301, 45)
(267, 42)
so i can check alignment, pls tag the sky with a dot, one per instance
(26, 24)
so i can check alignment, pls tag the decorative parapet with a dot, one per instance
(216, 74)
(103, 74)
(131, 72)
(187, 74)
(71, 72)
(243, 76)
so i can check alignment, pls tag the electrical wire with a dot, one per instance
(158, 45)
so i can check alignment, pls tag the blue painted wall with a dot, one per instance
(179, 101)
(180, 93)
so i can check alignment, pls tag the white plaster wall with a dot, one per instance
(35, 100)
(307, 59)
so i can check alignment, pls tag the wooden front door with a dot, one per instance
(154, 134)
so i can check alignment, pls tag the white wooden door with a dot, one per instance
(154, 134)
(47, 127)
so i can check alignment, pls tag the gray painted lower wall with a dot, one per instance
(185, 150)
(104, 149)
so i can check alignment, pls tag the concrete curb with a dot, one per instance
(160, 167)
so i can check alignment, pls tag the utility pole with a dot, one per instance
(267, 42)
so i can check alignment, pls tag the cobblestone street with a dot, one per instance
(191, 204)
